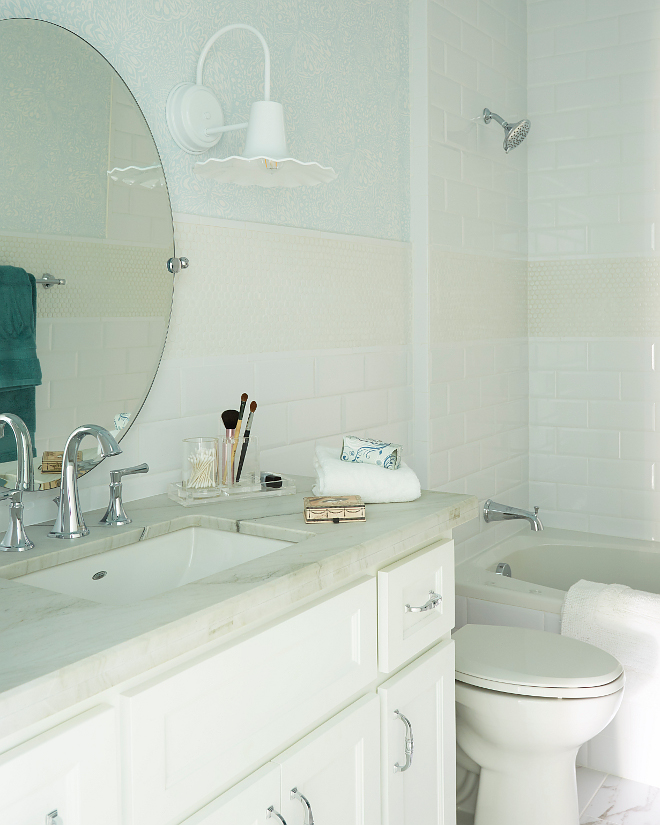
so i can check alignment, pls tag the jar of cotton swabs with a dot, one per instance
(200, 470)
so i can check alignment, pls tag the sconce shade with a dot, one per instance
(287, 173)
(265, 132)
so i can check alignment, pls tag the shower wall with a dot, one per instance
(469, 233)
(594, 266)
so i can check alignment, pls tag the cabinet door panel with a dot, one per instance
(246, 803)
(402, 634)
(192, 731)
(424, 693)
(71, 768)
(336, 767)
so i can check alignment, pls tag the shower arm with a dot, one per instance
(488, 115)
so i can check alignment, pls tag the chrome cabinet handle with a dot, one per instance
(309, 816)
(271, 812)
(431, 604)
(410, 745)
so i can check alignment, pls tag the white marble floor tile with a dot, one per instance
(622, 802)
(588, 782)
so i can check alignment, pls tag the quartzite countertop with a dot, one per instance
(57, 650)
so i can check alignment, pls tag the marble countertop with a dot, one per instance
(58, 650)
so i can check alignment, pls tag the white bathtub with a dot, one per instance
(543, 566)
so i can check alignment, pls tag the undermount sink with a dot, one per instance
(136, 572)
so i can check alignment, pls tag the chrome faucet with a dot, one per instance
(502, 512)
(15, 538)
(70, 523)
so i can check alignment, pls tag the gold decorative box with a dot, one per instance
(51, 461)
(334, 508)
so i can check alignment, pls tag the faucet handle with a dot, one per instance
(536, 510)
(15, 539)
(117, 475)
(115, 515)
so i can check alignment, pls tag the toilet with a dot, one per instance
(526, 701)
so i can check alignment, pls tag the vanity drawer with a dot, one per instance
(195, 730)
(403, 634)
(71, 768)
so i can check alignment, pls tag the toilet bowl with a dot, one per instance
(525, 702)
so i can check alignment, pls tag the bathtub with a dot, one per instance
(543, 567)
(545, 564)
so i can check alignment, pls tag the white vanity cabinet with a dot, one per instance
(306, 700)
(422, 788)
(197, 728)
(335, 769)
(71, 769)
(248, 803)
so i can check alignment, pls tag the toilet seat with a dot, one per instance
(534, 663)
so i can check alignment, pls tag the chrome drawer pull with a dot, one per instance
(431, 604)
(409, 744)
(309, 816)
(270, 812)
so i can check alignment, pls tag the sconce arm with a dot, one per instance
(211, 41)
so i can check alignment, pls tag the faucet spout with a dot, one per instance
(24, 461)
(502, 512)
(70, 523)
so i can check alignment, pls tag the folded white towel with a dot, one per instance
(375, 485)
(622, 621)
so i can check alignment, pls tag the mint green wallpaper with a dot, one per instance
(339, 67)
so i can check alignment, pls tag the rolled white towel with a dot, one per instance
(375, 485)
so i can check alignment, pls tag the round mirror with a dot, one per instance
(85, 235)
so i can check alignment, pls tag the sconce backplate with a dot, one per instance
(191, 110)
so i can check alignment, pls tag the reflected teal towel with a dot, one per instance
(20, 401)
(19, 365)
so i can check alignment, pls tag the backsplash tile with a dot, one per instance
(252, 288)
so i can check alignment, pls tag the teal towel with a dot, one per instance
(19, 365)
(20, 401)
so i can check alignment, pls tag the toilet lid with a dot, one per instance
(534, 658)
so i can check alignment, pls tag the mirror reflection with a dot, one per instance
(84, 204)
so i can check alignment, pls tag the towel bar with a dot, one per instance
(48, 280)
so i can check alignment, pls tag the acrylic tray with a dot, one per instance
(191, 498)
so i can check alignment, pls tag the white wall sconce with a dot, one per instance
(196, 122)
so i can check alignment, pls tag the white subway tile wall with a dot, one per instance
(595, 462)
(593, 146)
(479, 429)
(470, 245)
(361, 382)
(476, 193)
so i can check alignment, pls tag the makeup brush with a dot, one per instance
(246, 440)
(229, 419)
(244, 399)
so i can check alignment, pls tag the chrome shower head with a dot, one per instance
(514, 133)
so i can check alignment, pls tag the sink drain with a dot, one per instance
(99, 575)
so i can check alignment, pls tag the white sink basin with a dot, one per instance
(131, 574)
